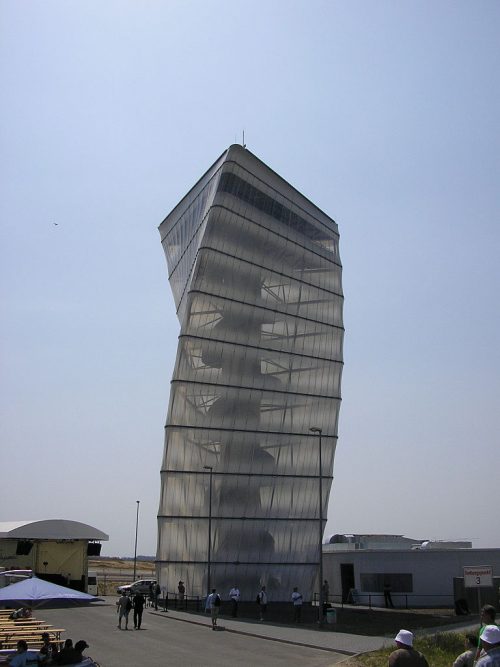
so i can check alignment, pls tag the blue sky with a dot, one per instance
(385, 114)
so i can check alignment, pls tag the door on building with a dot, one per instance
(347, 579)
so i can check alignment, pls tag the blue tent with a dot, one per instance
(34, 592)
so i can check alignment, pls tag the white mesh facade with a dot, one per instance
(256, 276)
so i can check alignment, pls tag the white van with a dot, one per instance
(92, 582)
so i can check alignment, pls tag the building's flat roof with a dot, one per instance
(50, 529)
(391, 552)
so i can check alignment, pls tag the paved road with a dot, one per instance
(166, 639)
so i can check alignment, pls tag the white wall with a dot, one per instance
(433, 571)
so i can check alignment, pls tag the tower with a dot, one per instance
(256, 276)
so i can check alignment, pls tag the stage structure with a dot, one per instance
(256, 276)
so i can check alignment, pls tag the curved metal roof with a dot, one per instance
(50, 529)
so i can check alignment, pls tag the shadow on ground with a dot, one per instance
(364, 621)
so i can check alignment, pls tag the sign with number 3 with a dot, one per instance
(478, 576)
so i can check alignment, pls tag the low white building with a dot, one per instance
(418, 574)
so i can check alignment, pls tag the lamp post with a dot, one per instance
(209, 554)
(136, 528)
(320, 535)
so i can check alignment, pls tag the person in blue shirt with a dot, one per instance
(23, 657)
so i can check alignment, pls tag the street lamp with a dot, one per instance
(209, 558)
(136, 528)
(320, 535)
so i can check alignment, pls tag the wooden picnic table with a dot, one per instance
(8, 612)
(9, 629)
(56, 632)
(27, 621)
(33, 644)
(21, 620)
(31, 638)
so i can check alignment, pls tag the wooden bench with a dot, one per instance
(33, 644)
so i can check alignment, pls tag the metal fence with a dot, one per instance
(399, 600)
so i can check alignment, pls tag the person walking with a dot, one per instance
(139, 602)
(234, 596)
(123, 607)
(213, 606)
(262, 602)
(297, 605)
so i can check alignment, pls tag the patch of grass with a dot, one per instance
(440, 650)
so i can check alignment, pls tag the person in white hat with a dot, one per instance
(490, 641)
(405, 655)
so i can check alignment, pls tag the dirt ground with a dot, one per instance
(113, 572)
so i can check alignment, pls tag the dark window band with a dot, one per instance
(243, 190)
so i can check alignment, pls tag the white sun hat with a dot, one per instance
(404, 637)
(491, 634)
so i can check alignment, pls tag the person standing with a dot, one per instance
(213, 606)
(387, 595)
(181, 592)
(297, 605)
(405, 655)
(164, 593)
(262, 602)
(326, 592)
(157, 595)
(487, 617)
(466, 659)
(488, 614)
(151, 594)
(234, 596)
(490, 642)
(139, 602)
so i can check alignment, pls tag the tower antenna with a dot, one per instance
(243, 142)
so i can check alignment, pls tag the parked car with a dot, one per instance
(139, 586)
